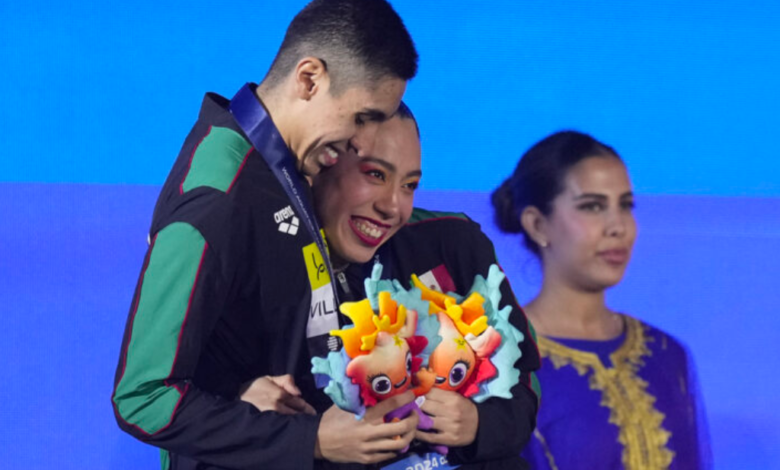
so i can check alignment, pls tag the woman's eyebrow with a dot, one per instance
(601, 197)
(384, 163)
(389, 166)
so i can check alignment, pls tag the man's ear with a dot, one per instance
(311, 77)
(535, 225)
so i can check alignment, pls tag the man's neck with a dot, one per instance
(271, 99)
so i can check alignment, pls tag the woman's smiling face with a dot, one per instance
(363, 201)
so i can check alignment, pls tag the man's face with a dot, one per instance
(363, 201)
(334, 124)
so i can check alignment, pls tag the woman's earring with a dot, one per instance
(543, 244)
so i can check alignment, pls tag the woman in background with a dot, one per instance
(618, 393)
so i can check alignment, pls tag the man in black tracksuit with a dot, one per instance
(236, 263)
(220, 278)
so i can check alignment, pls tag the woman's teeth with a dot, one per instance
(367, 229)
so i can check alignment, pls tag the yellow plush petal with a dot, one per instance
(437, 300)
(455, 312)
(401, 319)
(387, 306)
(459, 316)
(392, 317)
(362, 316)
(473, 308)
(367, 343)
(382, 323)
(475, 328)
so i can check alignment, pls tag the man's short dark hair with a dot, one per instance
(358, 40)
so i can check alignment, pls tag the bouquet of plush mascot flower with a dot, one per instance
(419, 338)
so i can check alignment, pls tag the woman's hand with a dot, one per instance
(455, 419)
(343, 438)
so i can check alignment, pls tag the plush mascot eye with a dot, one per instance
(381, 384)
(458, 373)
(409, 362)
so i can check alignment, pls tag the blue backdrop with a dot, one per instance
(99, 96)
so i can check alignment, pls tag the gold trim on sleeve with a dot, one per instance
(631, 407)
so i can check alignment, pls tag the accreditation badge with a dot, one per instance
(427, 461)
(323, 312)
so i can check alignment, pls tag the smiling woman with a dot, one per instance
(363, 201)
(618, 393)
(365, 206)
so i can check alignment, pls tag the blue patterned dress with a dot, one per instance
(626, 403)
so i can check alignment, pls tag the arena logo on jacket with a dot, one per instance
(323, 312)
(281, 218)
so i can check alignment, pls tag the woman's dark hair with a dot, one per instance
(404, 112)
(539, 178)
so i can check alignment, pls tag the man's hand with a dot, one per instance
(276, 394)
(455, 418)
(343, 438)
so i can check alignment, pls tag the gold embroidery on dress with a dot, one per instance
(624, 393)
(547, 453)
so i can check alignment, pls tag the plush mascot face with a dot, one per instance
(453, 360)
(386, 371)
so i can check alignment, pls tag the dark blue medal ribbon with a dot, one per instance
(259, 128)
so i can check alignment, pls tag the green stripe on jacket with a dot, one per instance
(216, 160)
(419, 215)
(141, 397)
